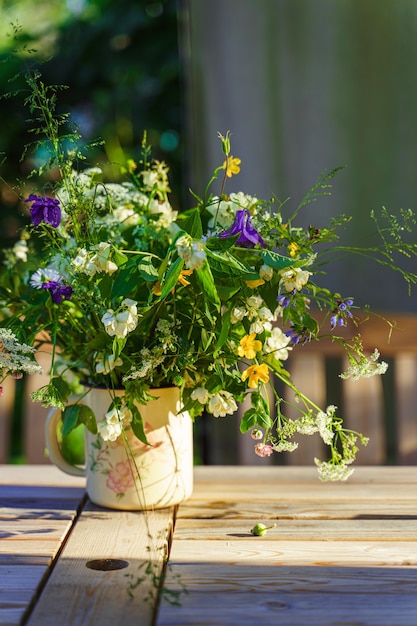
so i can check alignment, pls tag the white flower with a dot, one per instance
(20, 250)
(222, 404)
(277, 344)
(266, 272)
(324, 421)
(238, 314)
(150, 178)
(100, 262)
(42, 276)
(201, 394)
(294, 278)
(329, 471)
(191, 251)
(124, 321)
(365, 367)
(109, 431)
(107, 364)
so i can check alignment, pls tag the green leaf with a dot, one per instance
(190, 221)
(70, 418)
(118, 345)
(119, 258)
(227, 265)
(86, 416)
(137, 426)
(62, 388)
(276, 260)
(224, 332)
(249, 420)
(171, 277)
(147, 270)
(205, 279)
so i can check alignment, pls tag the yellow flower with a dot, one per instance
(293, 248)
(254, 283)
(231, 165)
(249, 346)
(157, 288)
(256, 373)
(181, 278)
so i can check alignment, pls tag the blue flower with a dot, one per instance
(340, 314)
(44, 210)
(59, 291)
(242, 226)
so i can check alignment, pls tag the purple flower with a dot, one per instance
(44, 210)
(340, 314)
(242, 226)
(59, 291)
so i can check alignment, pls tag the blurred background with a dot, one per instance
(303, 86)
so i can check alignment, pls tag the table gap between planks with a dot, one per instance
(341, 553)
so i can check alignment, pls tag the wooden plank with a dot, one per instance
(89, 596)
(37, 475)
(296, 529)
(19, 585)
(323, 508)
(290, 596)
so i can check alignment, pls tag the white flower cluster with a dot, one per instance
(123, 321)
(98, 260)
(16, 357)
(115, 420)
(330, 471)
(365, 367)
(191, 251)
(219, 404)
(294, 278)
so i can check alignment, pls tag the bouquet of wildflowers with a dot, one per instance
(132, 293)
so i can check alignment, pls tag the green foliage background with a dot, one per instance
(120, 62)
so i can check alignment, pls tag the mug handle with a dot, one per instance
(53, 448)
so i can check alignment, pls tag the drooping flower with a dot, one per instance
(222, 403)
(294, 278)
(123, 321)
(256, 373)
(242, 226)
(107, 363)
(45, 210)
(263, 449)
(192, 252)
(249, 346)
(201, 394)
(342, 312)
(277, 344)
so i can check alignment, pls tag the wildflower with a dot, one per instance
(44, 210)
(340, 314)
(294, 278)
(100, 261)
(242, 226)
(201, 394)
(238, 314)
(255, 283)
(191, 251)
(277, 344)
(266, 272)
(123, 322)
(256, 434)
(324, 422)
(330, 471)
(221, 404)
(59, 291)
(20, 250)
(256, 373)
(107, 364)
(293, 247)
(263, 449)
(16, 357)
(232, 166)
(365, 367)
(249, 346)
(109, 431)
(181, 278)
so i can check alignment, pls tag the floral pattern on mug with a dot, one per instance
(120, 478)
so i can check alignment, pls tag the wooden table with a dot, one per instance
(342, 554)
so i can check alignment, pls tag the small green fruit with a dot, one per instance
(260, 529)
